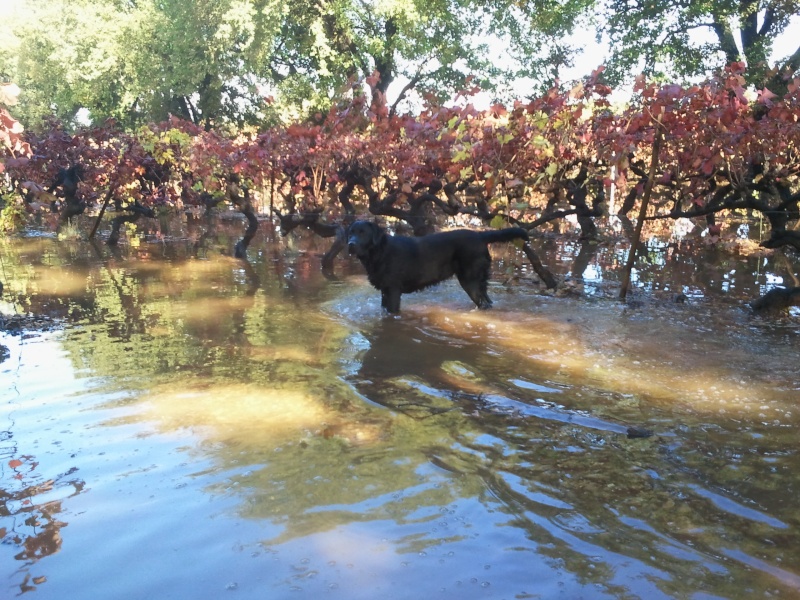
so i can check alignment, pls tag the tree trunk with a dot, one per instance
(240, 250)
(72, 208)
(642, 212)
(544, 274)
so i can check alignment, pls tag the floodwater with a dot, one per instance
(187, 425)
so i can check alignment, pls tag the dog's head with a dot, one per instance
(363, 237)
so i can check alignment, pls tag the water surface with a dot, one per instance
(188, 425)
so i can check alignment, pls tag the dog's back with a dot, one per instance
(430, 259)
(417, 263)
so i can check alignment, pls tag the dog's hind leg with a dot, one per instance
(390, 300)
(487, 302)
(476, 290)
(474, 278)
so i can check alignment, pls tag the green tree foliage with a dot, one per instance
(433, 45)
(539, 35)
(133, 60)
(215, 62)
(663, 39)
(67, 57)
(691, 38)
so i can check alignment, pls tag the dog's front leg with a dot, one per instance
(390, 300)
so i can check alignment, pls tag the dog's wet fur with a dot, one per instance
(399, 265)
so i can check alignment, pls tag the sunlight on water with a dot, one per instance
(45, 281)
(610, 350)
(251, 415)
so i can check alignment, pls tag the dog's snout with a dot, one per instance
(351, 245)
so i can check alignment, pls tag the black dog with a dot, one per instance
(398, 265)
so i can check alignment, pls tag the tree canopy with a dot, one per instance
(214, 61)
(235, 63)
(690, 38)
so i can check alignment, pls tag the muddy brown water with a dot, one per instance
(188, 425)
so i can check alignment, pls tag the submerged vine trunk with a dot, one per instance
(776, 300)
(538, 267)
(116, 223)
(240, 250)
(68, 180)
(637, 235)
(338, 245)
(72, 208)
(106, 200)
(783, 238)
(577, 194)
(241, 200)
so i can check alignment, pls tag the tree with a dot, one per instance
(195, 61)
(212, 62)
(67, 57)
(135, 61)
(433, 46)
(661, 38)
(538, 34)
(688, 39)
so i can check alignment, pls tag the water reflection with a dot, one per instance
(30, 508)
(551, 480)
(699, 270)
(33, 494)
(259, 409)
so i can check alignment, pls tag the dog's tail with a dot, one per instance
(504, 235)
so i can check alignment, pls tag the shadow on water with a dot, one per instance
(253, 426)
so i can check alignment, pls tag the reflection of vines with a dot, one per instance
(33, 528)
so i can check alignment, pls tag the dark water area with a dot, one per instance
(182, 424)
